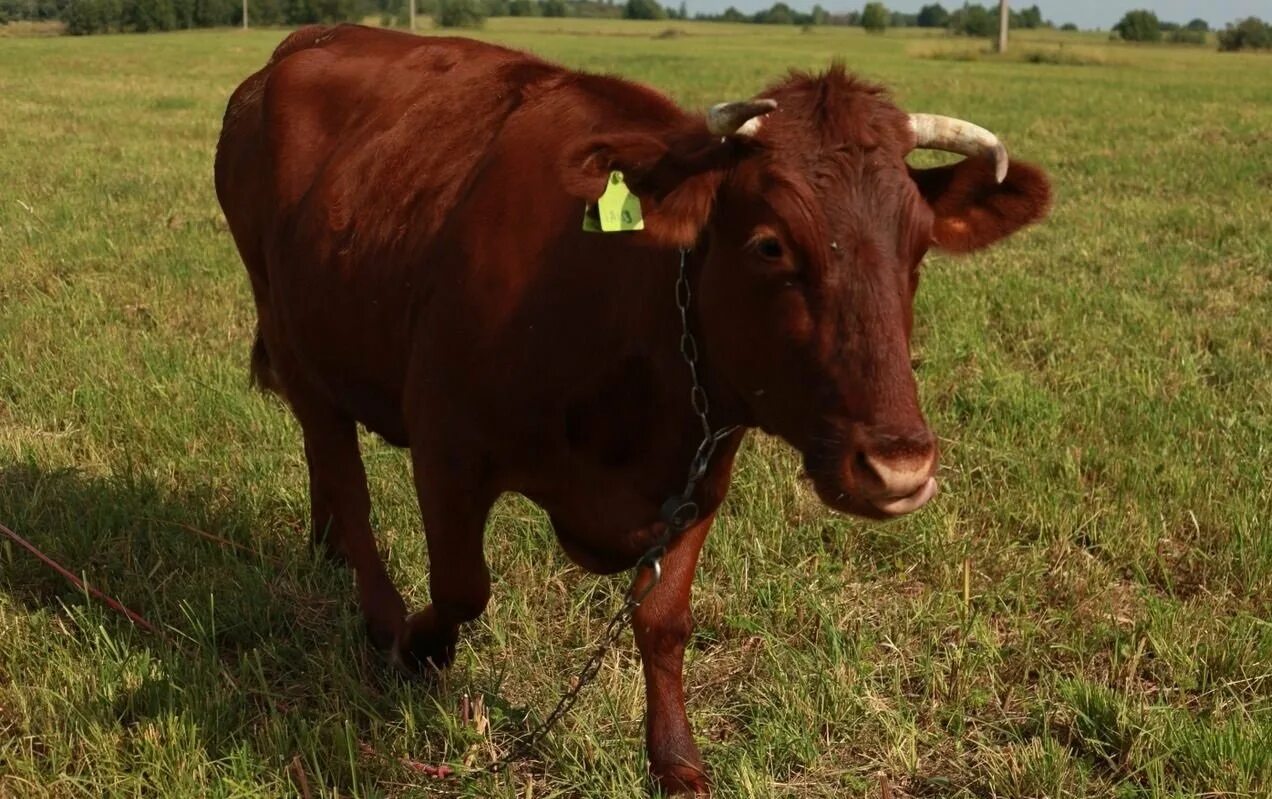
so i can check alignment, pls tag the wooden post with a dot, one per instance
(244, 14)
(411, 4)
(1003, 16)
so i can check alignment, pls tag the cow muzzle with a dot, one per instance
(880, 474)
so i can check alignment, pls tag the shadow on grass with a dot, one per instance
(166, 556)
(264, 655)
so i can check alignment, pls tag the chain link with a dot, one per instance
(613, 631)
(678, 514)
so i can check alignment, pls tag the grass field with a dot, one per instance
(1102, 385)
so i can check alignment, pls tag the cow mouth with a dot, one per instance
(900, 506)
(879, 508)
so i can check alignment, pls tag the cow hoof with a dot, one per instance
(681, 780)
(420, 648)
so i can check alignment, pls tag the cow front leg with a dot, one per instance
(341, 513)
(662, 625)
(454, 504)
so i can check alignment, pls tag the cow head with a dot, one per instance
(812, 227)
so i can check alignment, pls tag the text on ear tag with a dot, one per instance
(617, 209)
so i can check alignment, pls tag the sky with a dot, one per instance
(1102, 14)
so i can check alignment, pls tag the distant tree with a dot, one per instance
(778, 14)
(208, 13)
(96, 16)
(820, 16)
(299, 12)
(900, 19)
(731, 14)
(554, 8)
(112, 14)
(974, 20)
(1068, 26)
(933, 16)
(267, 12)
(11, 10)
(1250, 33)
(182, 14)
(460, 14)
(874, 18)
(1167, 27)
(1139, 26)
(523, 8)
(86, 16)
(683, 11)
(150, 15)
(1185, 36)
(593, 9)
(643, 9)
(335, 10)
(1029, 18)
(1198, 25)
(304, 12)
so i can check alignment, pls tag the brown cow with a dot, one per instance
(409, 211)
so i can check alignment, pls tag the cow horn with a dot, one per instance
(742, 119)
(934, 132)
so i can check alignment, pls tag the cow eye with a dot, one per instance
(769, 247)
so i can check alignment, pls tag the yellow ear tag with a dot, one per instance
(617, 209)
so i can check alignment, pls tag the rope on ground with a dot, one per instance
(111, 603)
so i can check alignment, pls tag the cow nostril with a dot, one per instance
(863, 466)
(868, 477)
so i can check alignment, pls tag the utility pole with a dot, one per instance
(411, 4)
(1003, 16)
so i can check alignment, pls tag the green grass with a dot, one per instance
(1102, 384)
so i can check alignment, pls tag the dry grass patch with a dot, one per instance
(1058, 54)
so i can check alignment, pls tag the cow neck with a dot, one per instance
(680, 510)
(727, 407)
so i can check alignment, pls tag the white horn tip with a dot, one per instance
(1000, 162)
(738, 118)
(749, 127)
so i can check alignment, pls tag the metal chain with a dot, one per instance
(613, 631)
(678, 514)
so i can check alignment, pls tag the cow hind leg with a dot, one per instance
(454, 504)
(341, 514)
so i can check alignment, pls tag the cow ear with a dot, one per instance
(971, 209)
(675, 176)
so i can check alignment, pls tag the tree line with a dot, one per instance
(99, 16)
(102, 16)
(1143, 25)
(971, 19)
